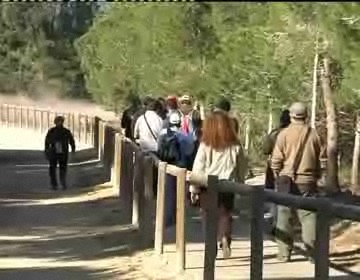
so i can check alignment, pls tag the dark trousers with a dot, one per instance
(60, 160)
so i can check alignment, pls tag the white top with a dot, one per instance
(143, 134)
(228, 164)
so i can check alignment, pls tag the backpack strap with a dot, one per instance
(152, 133)
(300, 152)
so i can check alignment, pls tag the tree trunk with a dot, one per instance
(332, 180)
(314, 92)
(247, 135)
(270, 123)
(355, 162)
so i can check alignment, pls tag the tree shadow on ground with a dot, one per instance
(35, 178)
(64, 273)
(65, 233)
(311, 278)
(31, 157)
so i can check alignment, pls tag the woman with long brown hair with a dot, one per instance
(220, 154)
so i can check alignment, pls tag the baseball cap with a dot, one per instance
(174, 119)
(185, 98)
(298, 110)
(171, 97)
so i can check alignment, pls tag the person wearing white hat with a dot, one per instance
(189, 116)
(174, 148)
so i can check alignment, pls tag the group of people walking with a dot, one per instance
(173, 130)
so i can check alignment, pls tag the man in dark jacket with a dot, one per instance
(57, 143)
(269, 143)
(129, 113)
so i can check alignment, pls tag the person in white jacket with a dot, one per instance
(146, 132)
(220, 154)
(148, 126)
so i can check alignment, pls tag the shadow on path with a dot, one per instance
(74, 235)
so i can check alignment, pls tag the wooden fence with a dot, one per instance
(82, 126)
(135, 182)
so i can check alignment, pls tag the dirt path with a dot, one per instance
(73, 235)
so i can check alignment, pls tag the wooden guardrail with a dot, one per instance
(135, 181)
(325, 210)
(82, 126)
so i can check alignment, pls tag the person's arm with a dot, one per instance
(71, 141)
(124, 119)
(242, 166)
(277, 158)
(161, 137)
(136, 128)
(198, 167)
(47, 141)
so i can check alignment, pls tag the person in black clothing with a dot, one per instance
(268, 146)
(223, 104)
(57, 142)
(162, 111)
(128, 115)
(269, 143)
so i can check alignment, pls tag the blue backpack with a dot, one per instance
(170, 148)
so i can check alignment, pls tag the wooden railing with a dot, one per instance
(135, 182)
(81, 125)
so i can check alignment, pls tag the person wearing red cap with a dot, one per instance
(172, 104)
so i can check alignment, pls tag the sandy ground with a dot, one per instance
(72, 235)
(25, 139)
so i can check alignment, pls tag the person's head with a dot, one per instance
(186, 105)
(222, 104)
(285, 119)
(150, 104)
(154, 105)
(298, 112)
(174, 120)
(134, 100)
(171, 102)
(218, 131)
(147, 99)
(59, 121)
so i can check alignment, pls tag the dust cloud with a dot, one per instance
(55, 104)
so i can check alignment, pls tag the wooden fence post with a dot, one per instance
(41, 121)
(126, 180)
(117, 161)
(73, 128)
(148, 203)
(79, 126)
(180, 219)
(7, 116)
(21, 117)
(13, 116)
(256, 233)
(321, 250)
(86, 137)
(138, 191)
(34, 118)
(211, 225)
(101, 141)
(27, 117)
(96, 136)
(160, 209)
(47, 120)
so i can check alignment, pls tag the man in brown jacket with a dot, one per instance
(304, 178)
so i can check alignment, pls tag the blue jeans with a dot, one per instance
(170, 201)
